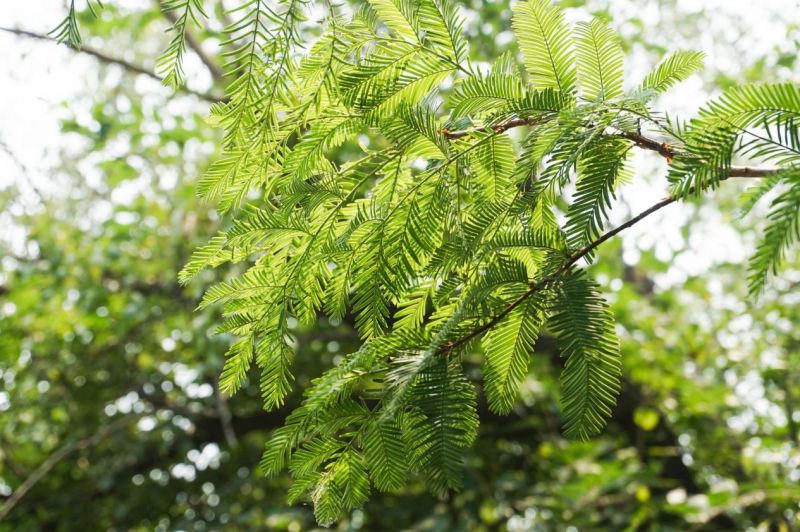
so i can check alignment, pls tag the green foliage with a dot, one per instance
(601, 170)
(381, 180)
(546, 44)
(170, 63)
(387, 453)
(591, 377)
(507, 349)
(759, 120)
(599, 59)
(442, 422)
(92, 319)
(782, 231)
(67, 30)
(674, 69)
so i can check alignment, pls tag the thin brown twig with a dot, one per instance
(12, 464)
(105, 58)
(571, 260)
(497, 128)
(26, 174)
(662, 148)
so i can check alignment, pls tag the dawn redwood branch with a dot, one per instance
(497, 128)
(571, 260)
(668, 152)
(105, 58)
(663, 149)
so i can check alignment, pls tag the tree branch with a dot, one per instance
(498, 128)
(105, 58)
(662, 148)
(571, 260)
(12, 464)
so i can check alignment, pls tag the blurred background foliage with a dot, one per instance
(109, 414)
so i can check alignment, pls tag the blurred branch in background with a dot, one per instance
(111, 60)
(24, 170)
(60, 454)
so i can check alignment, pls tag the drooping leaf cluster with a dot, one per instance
(459, 227)
(759, 122)
(170, 64)
(68, 30)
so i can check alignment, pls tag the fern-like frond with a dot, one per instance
(711, 137)
(274, 357)
(442, 423)
(478, 94)
(442, 27)
(494, 168)
(507, 349)
(599, 170)
(782, 231)
(386, 452)
(211, 254)
(599, 56)
(546, 44)
(68, 30)
(327, 498)
(399, 16)
(591, 377)
(777, 142)
(413, 307)
(749, 105)
(237, 362)
(170, 64)
(672, 70)
(705, 162)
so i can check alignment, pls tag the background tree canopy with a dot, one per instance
(429, 151)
